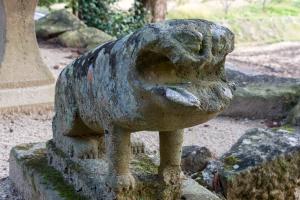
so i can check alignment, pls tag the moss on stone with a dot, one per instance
(52, 177)
(285, 91)
(56, 23)
(287, 127)
(72, 165)
(230, 161)
(50, 144)
(24, 147)
(144, 164)
(86, 37)
(283, 165)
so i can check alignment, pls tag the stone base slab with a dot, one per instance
(27, 99)
(35, 179)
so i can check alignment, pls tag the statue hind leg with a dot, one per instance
(67, 127)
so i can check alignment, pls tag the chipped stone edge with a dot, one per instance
(28, 181)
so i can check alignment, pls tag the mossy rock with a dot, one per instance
(264, 161)
(260, 163)
(86, 37)
(56, 23)
(263, 101)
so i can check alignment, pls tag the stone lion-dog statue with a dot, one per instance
(164, 77)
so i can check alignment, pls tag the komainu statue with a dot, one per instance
(164, 77)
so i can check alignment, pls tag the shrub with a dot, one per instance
(100, 14)
(48, 3)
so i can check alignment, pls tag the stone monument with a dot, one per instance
(24, 78)
(164, 77)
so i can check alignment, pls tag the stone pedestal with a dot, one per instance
(24, 78)
(42, 171)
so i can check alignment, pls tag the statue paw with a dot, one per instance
(124, 182)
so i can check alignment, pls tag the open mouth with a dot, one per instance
(183, 85)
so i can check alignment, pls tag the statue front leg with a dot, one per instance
(118, 150)
(170, 143)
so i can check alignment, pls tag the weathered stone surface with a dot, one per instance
(164, 77)
(195, 158)
(21, 66)
(84, 38)
(262, 96)
(263, 164)
(210, 177)
(35, 179)
(56, 23)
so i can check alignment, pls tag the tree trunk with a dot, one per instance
(157, 8)
(74, 6)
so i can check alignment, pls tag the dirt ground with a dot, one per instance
(218, 135)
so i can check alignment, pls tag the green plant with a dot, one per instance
(101, 15)
(230, 161)
(48, 3)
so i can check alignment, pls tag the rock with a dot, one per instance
(209, 177)
(86, 37)
(193, 191)
(262, 96)
(56, 23)
(241, 79)
(263, 164)
(194, 158)
(294, 116)
(261, 101)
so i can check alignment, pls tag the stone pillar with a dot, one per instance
(24, 78)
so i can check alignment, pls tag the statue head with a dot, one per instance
(178, 71)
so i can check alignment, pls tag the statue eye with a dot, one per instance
(190, 40)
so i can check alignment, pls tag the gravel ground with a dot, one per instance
(218, 134)
(280, 59)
